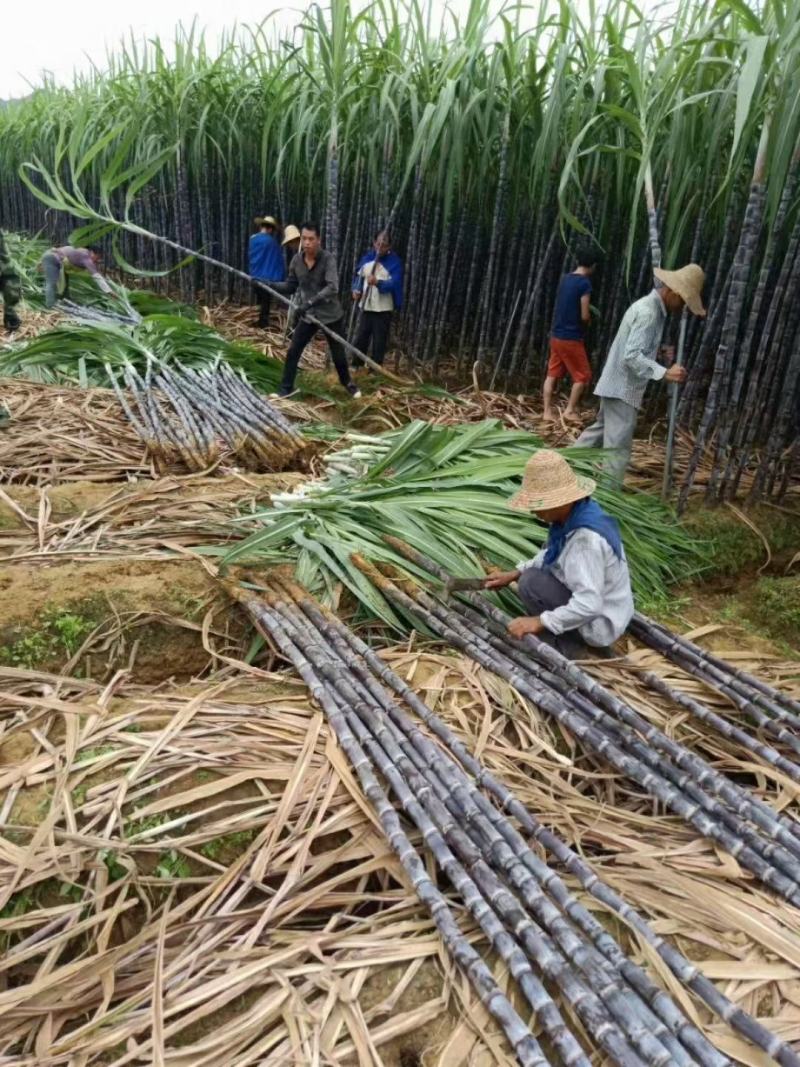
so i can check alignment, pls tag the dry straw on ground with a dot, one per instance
(193, 877)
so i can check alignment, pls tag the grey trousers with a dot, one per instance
(539, 591)
(51, 265)
(613, 430)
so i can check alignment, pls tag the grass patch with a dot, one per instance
(734, 548)
(774, 606)
(58, 637)
(228, 847)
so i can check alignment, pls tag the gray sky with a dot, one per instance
(61, 36)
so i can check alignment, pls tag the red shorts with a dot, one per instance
(569, 357)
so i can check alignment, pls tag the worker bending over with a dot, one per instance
(58, 261)
(577, 590)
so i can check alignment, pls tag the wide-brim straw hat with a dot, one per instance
(291, 233)
(266, 220)
(550, 482)
(686, 282)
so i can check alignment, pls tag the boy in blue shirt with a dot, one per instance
(266, 263)
(567, 347)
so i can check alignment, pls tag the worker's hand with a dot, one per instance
(501, 580)
(528, 624)
(667, 354)
(356, 295)
(304, 307)
(372, 280)
(676, 374)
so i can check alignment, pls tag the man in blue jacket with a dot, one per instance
(266, 263)
(378, 288)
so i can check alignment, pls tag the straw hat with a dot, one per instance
(686, 282)
(550, 482)
(291, 233)
(266, 220)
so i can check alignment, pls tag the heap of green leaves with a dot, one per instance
(444, 490)
(80, 352)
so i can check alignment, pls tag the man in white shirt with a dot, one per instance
(578, 588)
(632, 363)
(378, 290)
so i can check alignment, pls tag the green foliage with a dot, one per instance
(774, 605)
(80, 353)
(89, 755)
(172, 864)
(138, 827)
(32, 898)
(227, 847)
(116, 870)
(445, 491)
(59, 637)
(734, 548)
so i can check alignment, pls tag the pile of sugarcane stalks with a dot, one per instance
(764, 841)
(199, 417)
(775, 713)
(528, 914)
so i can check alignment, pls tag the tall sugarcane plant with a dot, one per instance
(491, 145)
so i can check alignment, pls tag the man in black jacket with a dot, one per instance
(314, 277)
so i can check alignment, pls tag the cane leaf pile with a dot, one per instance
(445, 490)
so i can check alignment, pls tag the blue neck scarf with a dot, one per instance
(588, 515)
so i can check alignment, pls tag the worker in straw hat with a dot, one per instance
(291, 240)
(632, 363)
(577, 590)
(266, 263)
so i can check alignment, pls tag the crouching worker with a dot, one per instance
(577, 590)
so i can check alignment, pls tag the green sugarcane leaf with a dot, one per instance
(755, 49)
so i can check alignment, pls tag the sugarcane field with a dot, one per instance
(400, 535)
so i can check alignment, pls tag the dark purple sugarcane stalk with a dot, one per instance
(488, 827)
(495, 909)
(686, 971)
(709, 818)
(485, 314)
(762, 394)
(522, 1041)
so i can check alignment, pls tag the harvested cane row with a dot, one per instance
(196, 417)
(764, 841)
(534, 923)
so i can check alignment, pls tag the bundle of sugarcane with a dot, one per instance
(522, 905)
(764, 841)
(200, 416)
(772, 711)
(124, 315)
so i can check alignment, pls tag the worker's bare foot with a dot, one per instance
(548, 417)
(573, 417)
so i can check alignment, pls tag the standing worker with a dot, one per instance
(313, 274)
(567, 345)
(58, 261)
(291, 240)
(266, 264)
(578, 588)
(378, 288)
(10, 289)
(631, 364)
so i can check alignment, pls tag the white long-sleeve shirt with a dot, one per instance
(601, 605)
(631, 362)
